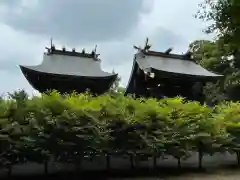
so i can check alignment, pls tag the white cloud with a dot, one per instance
(169, 24)
(76, 21)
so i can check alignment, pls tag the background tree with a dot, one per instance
(223, 54)
(224, 16)
(116, 88)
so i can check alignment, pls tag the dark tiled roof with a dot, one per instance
(171, 63)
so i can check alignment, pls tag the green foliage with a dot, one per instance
(214, 93)
(232, 85)
(224, 16)
(222, 55)
(211, 55)
(75, 127)
(217, 58)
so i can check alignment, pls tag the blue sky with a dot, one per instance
(114, 25)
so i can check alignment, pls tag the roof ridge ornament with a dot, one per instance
(168, 50)
(147, 46)
(95, 49)
(83, 51)
(52, 46)
(63, 51)
(94, 53)
(51, 42)
(137, 47)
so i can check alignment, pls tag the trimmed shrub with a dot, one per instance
(75, 127)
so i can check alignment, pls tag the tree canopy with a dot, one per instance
(78, 127)
(221, 55)
(224, 17)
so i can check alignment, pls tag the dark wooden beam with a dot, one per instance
(168, 50)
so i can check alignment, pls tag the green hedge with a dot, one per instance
(75, 127)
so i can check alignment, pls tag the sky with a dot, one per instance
(113, 25)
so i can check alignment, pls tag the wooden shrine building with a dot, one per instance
(68, 71)
(162, 74)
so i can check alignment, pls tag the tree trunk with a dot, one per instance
(132, 161)
(238, 157)
(46, 167)
(9, 171)
(154, 162)
(200, 158)
(78, 165)
(179, 163)
(108, 161)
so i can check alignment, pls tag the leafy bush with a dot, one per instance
(75, 127)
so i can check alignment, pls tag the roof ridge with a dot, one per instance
(74, 53)
(166, 55)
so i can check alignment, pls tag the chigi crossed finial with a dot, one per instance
(147, 46)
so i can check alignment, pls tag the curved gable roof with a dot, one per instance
(70, 65)
(171, 63)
